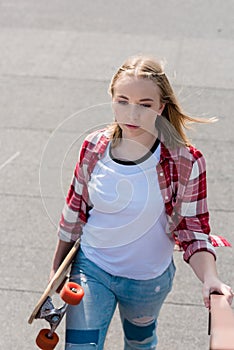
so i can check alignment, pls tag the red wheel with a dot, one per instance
(72, 293)
(45, 343)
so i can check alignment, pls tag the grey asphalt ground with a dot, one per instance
(56, 60)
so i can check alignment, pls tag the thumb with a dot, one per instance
(206, 296)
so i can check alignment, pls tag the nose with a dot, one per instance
(134, 112)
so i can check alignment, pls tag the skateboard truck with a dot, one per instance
(51, 314)
(71, 294)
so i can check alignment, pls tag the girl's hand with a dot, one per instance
(52, 273)
(204, 266)
(60, 253)
(215, 285)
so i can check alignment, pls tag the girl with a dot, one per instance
(138, 188)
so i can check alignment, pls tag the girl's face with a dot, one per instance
(136, 104)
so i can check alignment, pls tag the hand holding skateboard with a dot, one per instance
(71, 293)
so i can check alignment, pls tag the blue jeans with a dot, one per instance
(139, 304)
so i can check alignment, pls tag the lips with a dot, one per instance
(130, 126)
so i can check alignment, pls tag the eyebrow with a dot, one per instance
(141, 100)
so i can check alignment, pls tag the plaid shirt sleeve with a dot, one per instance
(74, 213)
(193, 218)
(183, 184)
(76, 209)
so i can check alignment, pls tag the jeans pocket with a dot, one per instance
(172, 269)
(165, 281)
(171, 274)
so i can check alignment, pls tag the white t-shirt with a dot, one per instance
(125, 233)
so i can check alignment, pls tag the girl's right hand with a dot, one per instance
(52, 273)
(60, 253)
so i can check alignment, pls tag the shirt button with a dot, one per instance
(166, 197)
(161, 174)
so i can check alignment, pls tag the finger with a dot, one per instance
(228, 292)
(206, 296)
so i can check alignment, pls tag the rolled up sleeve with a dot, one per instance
(192, 216)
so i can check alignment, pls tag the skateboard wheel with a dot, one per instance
(46, 343)
(72, 293)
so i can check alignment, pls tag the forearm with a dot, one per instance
(60, 253)
(204, 265)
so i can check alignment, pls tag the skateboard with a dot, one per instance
(221, 323)
(71, 293)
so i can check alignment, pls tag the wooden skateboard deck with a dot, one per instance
(221, 323)
(57, 280)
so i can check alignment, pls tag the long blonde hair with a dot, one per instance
(173, 121)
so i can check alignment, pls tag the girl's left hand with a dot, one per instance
(215, 285)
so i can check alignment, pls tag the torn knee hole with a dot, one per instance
(143, 321)
(140, 328)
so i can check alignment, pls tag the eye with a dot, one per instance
(122, 102)
(145, 105)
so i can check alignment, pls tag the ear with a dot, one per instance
(162, 106)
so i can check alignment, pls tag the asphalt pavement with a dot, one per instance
(56, 60)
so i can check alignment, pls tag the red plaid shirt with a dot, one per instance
(182, 180)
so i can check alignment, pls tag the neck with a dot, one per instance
(135, 147)
(145, 139)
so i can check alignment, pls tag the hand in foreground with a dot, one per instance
(215, 285)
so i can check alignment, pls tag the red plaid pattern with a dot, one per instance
(182, 180)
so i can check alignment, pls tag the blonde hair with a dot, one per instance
(173, 121)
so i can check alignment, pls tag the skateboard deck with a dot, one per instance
(71, 293)
(221, 323)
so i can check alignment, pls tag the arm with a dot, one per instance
(70, 225)
(75, 211)
(60, 253)
(193, 232)
(204, 266)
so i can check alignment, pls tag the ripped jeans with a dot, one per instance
(139, 304)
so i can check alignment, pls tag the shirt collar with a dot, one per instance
(176, 153)
(101, 145)
(166, 153)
